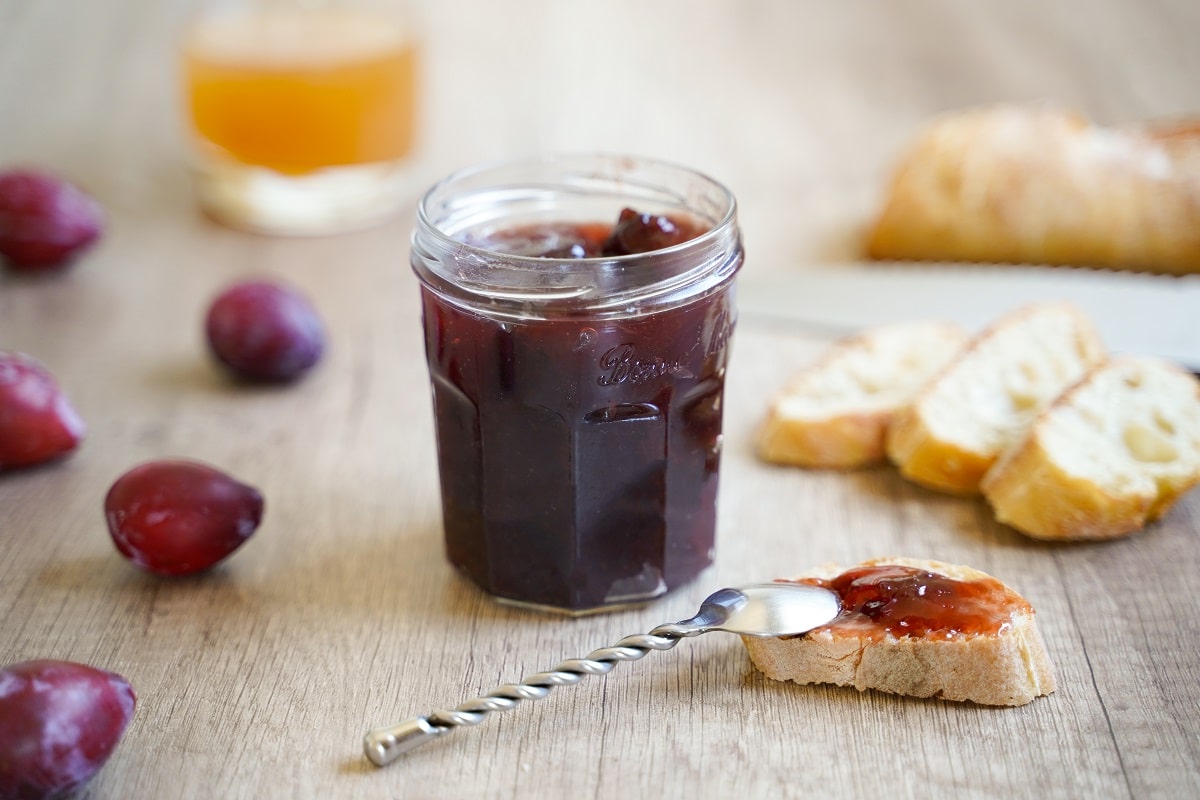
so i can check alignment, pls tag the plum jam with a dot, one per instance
(906, 601)
(578, 365)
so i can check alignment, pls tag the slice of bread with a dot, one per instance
(1112, 454)
(1004, 663)
(982, 402)
(835, 413)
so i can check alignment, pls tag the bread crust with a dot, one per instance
(1043, 185)
(1009, 668)
(1037, 497)
(847, 441)
(922, 457)
(1034, 488)
(850, 433)
(915, 442)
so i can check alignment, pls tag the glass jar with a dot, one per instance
(301, 112)
(577, 401)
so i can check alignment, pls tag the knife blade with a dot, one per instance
(1136, 313)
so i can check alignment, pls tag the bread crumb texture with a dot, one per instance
(962, 420)
(1110, 455)
(835, 412)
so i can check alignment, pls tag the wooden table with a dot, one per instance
(259, 678)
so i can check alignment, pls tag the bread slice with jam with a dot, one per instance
(917, 628)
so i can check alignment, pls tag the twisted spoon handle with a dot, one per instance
(384, 745)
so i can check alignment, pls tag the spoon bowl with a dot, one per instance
(761, 609)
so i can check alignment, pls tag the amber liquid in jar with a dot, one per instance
(297, 90)
(302, 114)
(579, 458)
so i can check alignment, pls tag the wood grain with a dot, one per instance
(258, 679)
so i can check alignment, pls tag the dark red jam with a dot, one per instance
(906, 601)
(633, 233)
(578, 457)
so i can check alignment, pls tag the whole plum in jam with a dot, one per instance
(579, 456)
(634, 233)
(907, 601)
(644, 233)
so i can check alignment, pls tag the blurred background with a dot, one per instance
(799, 107)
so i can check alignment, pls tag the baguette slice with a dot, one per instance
(1043, 185)
(1112, 454)
(1005, 665)
(835, 413)
(982, 402)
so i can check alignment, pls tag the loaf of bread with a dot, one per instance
(981, 403)
(1110, 455)
(1043, 185)
(918, 628)
(835, 413)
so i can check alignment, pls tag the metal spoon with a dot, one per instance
(763, 609)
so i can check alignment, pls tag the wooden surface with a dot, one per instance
(258, 679)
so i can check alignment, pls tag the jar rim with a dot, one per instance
(550, 159)
(601, 283)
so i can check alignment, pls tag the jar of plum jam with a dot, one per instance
(577, 316)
